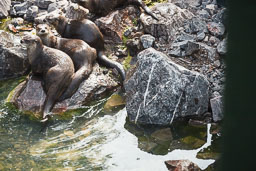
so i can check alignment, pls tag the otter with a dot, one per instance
(55, 66)
(103, 7)
(82, 55)
(87, 31)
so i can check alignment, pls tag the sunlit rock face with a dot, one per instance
(4, 8)
(159, 90)
(171, 19)
(114, 25)
(13, 58)
(30, 96)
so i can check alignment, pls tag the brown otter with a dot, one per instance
(87, 31)
(55, 66)
(80, 52)
(103, 7)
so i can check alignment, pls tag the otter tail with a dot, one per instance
(141, 4)
(112, 64)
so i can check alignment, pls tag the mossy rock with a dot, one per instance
(114, 102)
(192, 141)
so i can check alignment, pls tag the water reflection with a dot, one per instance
(94, 140)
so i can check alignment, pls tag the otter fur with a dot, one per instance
(82, 55)
(87, 31)
(55, 66)
(103, 7)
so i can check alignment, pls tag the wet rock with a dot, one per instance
(222, 47)
(43, 4)
(159, 90)
(63, 4)
(171, 19)
(217, 108)
(4, 8)
(192, 141)
(162, 134)
(77, 12)
(181, 165)
(147, 41)
(114, 101)
(114, 25)
(13, 58)
(31, 13)
(32, 96)
(216, 29)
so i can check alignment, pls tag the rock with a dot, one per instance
(114, 24)
(77, 12)
(17, 21)
(216, 29)
(162, 135)
(113, 102)
(208, 51)
(43, 4)
(21, 9)
(195, 25)
(217, 108)
(31, 13)
(214, 41)
(134, 46)
(147, 41)
(222, 47)
(13, 58)
(32, 96)
(60, 5)
(4, 8)
(186, 3)
(159, 90)
(171, 19)
(181, 165)
(211, 8)
(204, 14)
(184, 48)
(200, 36)
(184, 36)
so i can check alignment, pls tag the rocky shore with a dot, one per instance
(175, 66)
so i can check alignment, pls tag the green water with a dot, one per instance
(92, 140)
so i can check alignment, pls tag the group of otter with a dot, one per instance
(65, 62)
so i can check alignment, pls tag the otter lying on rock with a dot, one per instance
(105, 6)
(82, 55)
(87, 31)
(55, 66)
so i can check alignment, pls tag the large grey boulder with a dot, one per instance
(13, 57)
(4, 8)
(30, 96)
(171, 19)
(159, 90)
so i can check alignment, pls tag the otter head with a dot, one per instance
(34, 46)
(42, 30)
(31, 40)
